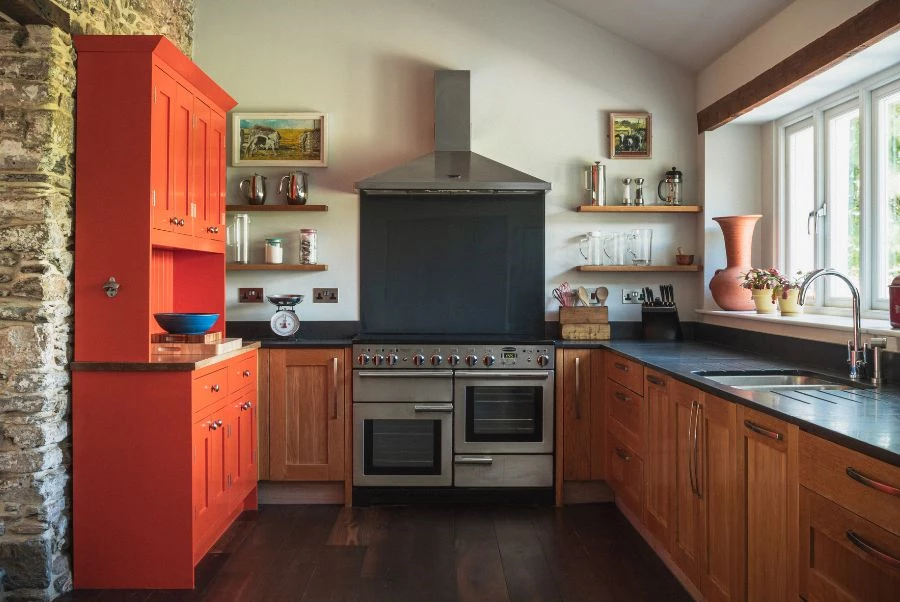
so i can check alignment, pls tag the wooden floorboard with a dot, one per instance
(312, 553)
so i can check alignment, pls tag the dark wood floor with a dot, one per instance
(398, 554)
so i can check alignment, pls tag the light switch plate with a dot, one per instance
(250, 295)
(632, 296)
(325, 295)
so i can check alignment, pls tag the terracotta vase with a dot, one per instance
(725, 285)
(762, 298)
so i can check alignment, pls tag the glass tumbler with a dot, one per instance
(639, 245)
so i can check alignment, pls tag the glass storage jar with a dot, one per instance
(308, 253)
(274, 251)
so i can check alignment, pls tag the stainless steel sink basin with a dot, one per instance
(768, 380)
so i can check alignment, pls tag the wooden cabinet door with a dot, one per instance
(306, 405)
(161, 148)
(767, 464)
(659, 455)
(685, 527)
(717, 489)
(576, 387)
(181, 160)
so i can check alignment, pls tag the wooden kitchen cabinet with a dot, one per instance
(769, 499)
(580, 414)
(308, 399)
(659, 455)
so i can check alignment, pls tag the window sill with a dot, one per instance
(814, 327)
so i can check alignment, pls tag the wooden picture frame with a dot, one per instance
(630, 135)
(279, 139)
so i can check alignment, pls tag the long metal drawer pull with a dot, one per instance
(656, 381)
(763, 431)
(433, 407)
(623, 454)
(578, 388)
(621, 396)
(690, 430)
(871, 550)
(870, 482)
(622, 367)
(405, 373)
(334, 388)
(697, 450)
(473, 460)
(542, 374)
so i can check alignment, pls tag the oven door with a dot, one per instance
(503, 411)
(402, 444)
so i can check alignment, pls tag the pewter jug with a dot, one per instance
(256, 189)
(295, 187)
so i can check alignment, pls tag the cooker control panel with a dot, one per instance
(469, 357)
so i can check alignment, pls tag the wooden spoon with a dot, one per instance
(601, 293)
(583, 296)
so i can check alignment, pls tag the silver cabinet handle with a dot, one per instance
(485, 374)
(578, 388)
(620, 366)
(433, 407)
(697, 449)
(763, 431)
(690, 451)
(623, 454)
(870, 482)
(334, 388)
(622, 397)
(660, 382)
(473, 460)
(871, 550)
(405, 374)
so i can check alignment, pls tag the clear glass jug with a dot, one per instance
(237, 238)
(591, 248)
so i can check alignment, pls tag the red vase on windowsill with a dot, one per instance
(725, 285)
(894, 300)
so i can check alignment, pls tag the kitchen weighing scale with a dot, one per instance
(285, 322)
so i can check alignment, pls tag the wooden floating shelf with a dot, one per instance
(276, 208)
(640, 209)
(639, 268)
(276, 267)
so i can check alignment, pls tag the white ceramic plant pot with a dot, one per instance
(788, 305)
(762, 298)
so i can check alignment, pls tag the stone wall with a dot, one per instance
(37, 86)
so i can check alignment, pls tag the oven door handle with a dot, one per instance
(433, 407)
(405, 373)
(473, 460)
(542, 374)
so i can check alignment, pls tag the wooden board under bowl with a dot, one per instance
(166, 337)
(221, 346)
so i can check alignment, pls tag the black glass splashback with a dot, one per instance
(452, 263)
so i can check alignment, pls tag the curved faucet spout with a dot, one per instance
(856, 354)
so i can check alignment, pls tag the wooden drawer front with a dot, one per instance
(826, 468)
(625, 473)
(210, 389)
(242, 372)
(843, 556)
(627, 409)
(625, 372)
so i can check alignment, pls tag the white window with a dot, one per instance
(840, 194)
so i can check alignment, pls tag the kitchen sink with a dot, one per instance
(768, 380)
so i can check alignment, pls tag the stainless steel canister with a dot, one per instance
(238, 238)
(308, 253)
(596, 183)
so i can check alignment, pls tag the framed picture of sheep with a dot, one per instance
(272, 139)
(629, 135)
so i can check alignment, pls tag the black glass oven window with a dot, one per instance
(402, 447)
(504, 413)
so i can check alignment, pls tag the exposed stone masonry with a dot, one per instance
(37, 86)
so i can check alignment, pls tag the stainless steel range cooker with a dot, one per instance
(453, 415)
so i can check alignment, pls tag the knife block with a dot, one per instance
(661, 323)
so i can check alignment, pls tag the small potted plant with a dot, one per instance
(762, 283)
(786, 292)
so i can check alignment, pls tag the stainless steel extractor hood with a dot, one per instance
(452, 166)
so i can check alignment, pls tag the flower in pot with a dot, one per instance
(786, 291)
(762, 283)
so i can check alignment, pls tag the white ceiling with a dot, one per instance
(692, 33)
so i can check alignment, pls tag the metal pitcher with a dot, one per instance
(256, 189)
(669, 189)
(296, 186)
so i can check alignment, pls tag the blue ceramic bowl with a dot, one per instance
(186, 323)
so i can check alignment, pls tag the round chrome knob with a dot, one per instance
(543, 360)
(436, 360)
(173, 221)
(453, 360)
(247, 373)
(181, 221)
(363, 359)
(215, 388)
(378, 359)
(213, 230)
(489, 360)
(247, 406)
(215, 425)
(418, 359)
(392, 359)
(471, 360)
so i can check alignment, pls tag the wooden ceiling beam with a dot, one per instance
(874, 23)
(37, 12)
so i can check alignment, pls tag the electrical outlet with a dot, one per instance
(250, 295)
(632, 296)
(325, 295)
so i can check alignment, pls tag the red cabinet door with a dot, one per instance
(161, 149)
(211, 209)
(244, 472)
(181, 160)
(199, 184)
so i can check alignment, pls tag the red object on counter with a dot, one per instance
(894, 301)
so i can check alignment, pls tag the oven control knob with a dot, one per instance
(453, 360)
(392, 359)
(436, 360)
(377, 360)
(418, 359)
(543, 360)
(363, 359)
(489, 360)
(471, 360)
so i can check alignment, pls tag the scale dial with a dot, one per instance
(285, 322)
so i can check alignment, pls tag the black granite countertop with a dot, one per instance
(866, 420)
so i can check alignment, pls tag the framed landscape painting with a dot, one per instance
(271, 139)
(630, 136)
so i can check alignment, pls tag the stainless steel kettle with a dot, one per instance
(296, 186)
(256, 189)
(669, 189)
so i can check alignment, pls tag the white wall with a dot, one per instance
(543, 82)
